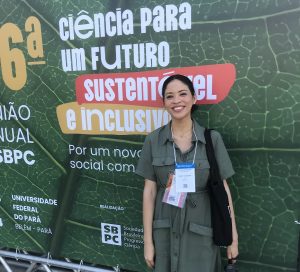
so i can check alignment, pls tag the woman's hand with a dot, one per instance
(233, 251)
(149, 253)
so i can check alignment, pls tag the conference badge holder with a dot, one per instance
(171, 196)
(182, 182)
(185, 177)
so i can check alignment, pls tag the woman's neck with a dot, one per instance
(182, 128)
(182, 134)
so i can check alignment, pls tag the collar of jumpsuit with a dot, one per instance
(166, 134)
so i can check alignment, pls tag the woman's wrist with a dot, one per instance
(148, 241)
(235, 242)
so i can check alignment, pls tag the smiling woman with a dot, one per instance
(176, 202)
(178, 101)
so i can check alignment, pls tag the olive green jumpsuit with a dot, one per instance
(183, 236)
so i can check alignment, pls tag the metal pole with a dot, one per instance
(6, 267)
(46, 268)
(31, 267)
(298, 259)
(49, 261)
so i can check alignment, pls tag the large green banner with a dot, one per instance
(80, 88)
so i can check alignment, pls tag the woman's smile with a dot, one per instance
(178, 100)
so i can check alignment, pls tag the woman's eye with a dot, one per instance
(169, 97)
(183, 94)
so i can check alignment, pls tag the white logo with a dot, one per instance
(111, 234)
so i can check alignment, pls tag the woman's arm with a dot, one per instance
(232, 250)
(149, 197)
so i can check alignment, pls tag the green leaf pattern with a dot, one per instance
(259, 121)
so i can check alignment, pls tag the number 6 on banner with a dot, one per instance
(12, 61)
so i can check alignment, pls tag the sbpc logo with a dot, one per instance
(111, 234)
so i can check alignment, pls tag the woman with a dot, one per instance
(180, 238)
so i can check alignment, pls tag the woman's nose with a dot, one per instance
(176, 98)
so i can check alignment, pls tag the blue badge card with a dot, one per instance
(185, 178)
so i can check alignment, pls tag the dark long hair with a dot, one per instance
(185, 80)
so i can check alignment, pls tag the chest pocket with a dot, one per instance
(201, 173)
(163, 166)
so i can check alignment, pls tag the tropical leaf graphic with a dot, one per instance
(259, 122)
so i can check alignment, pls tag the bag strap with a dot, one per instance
(210, 153)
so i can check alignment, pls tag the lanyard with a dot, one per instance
(195, 147)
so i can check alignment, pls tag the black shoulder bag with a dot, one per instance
(220, 210)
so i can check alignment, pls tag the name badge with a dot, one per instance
(185, 177)
(171, 196)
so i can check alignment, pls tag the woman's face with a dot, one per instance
(178, 100)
